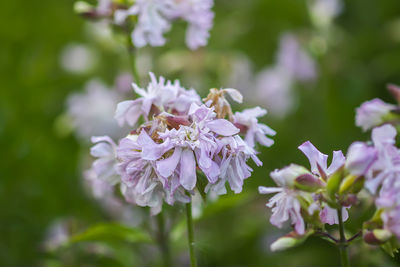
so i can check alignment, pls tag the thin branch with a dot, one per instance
(328, 236)
(354, 237)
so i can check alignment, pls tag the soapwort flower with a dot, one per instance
(155, 17)
(309, 199)
(376, 112)
(178, 139)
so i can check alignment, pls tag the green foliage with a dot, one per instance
(111, 232)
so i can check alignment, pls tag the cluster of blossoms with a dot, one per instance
(180, 136)
(312, 198)
(383, 179)
(309, 199)
(152, 19)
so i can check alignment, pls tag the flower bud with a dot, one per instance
(351, 183)
(372, 113)
(308, 182)
(290, 240)
(283, 243)
(82, 7)
(377, 236)
(395, 91)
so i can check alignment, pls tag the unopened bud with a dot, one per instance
(283, 243)
(290, 240)
(351, 183)
(377, 236)
(395, 91)
(308, 182)
(81, 7)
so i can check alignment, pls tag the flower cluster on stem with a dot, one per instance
(175, 136)
(152, 19)
(310, 199)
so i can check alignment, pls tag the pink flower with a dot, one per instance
(285, 204)
(199, 16)
(318, 161)
(254, 131)
(156, 16)
(197, 141)
(359, 158)
(161, 94)
(105, 166)
(372, 113)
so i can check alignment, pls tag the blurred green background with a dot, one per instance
(40, 170)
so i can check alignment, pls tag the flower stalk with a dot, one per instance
(163, 240)
(132, 60)
(344, 257)
(190, 231)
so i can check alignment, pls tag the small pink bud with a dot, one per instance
(395, 91)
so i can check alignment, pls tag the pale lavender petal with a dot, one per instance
(128, 111)
(263, 140)
(266, 129)
(188, 170)
(314, 156)
(337, 162)
(167, 166)
(330, 216)
(151, 150)
(101, 150)
(235, 94)
(97, 139)
(146, 106)
(269, 190)
(297, 219)
(250, 137)
(371, 113)
(385, 134)
(222, 127)
(360, 157)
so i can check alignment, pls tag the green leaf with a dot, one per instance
(111, 232)
(389, 248)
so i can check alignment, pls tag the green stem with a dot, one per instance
(132, 60)
(189, 221)
(163, 240)
(342, 242)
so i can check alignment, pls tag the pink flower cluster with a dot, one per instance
(177, 140)
(154, 19)
(309, 199)
(302, 193)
